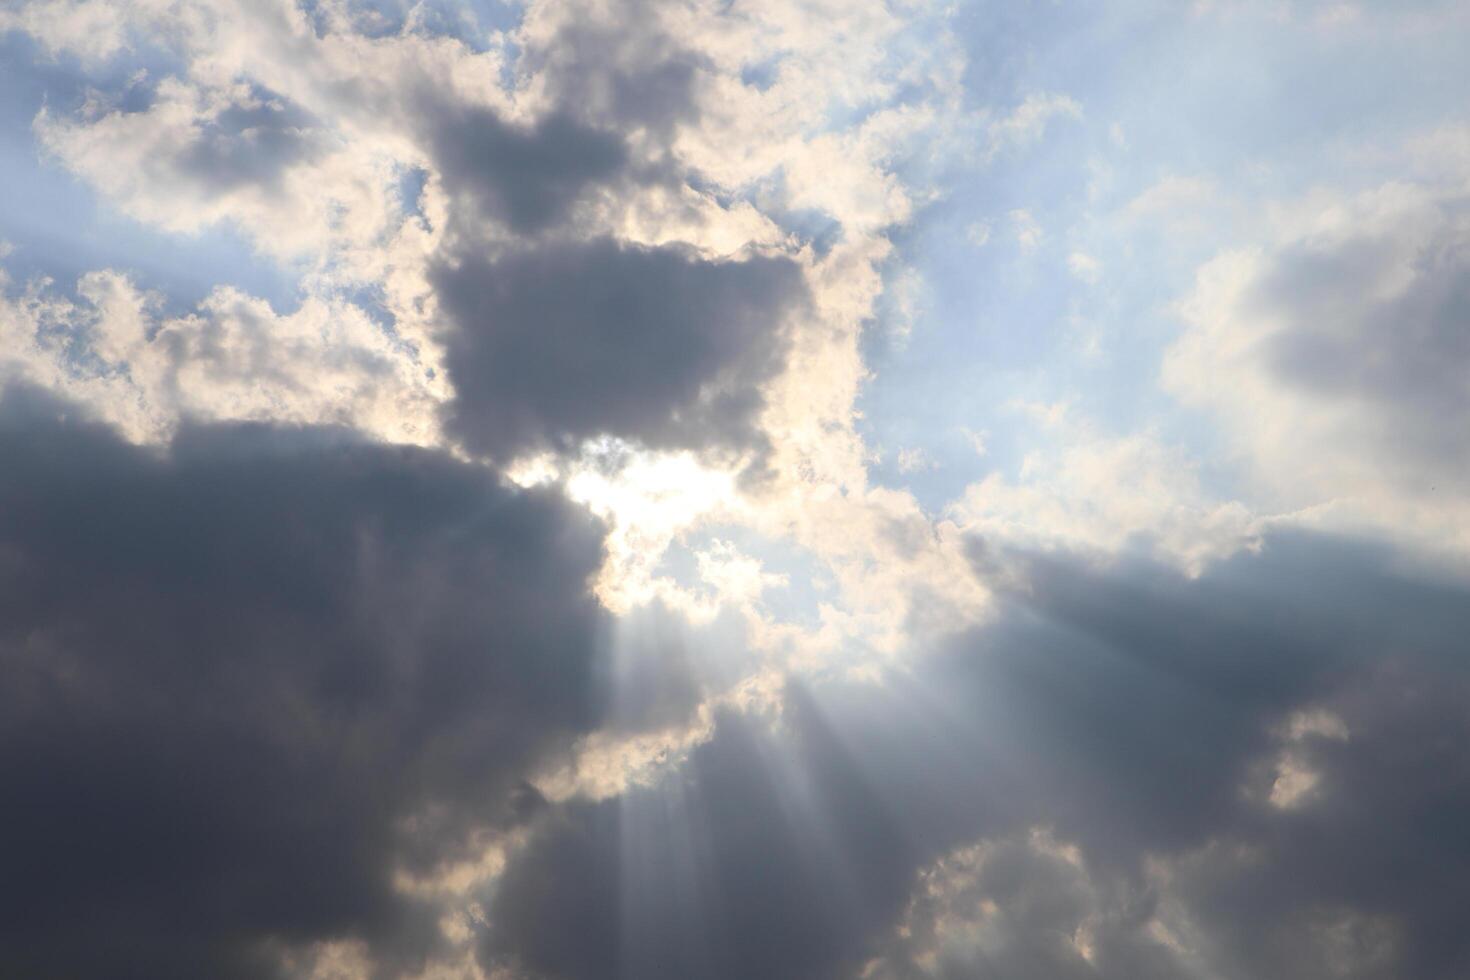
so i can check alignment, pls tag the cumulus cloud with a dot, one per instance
(1024, 906)
(655, 345)
(306, 650)
(1146, 716)
(1336, 358)
(625, 64)
(232, 358)
(253, 679)
(200, 154)
(1080, 788)
(709, 874)
(628, 668)
(528, 177)
(1086, 491)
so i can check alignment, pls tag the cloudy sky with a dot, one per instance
(734, 489)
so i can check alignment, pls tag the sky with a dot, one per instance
(733, 489)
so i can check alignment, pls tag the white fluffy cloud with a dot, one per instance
(1104, 495)
(301, 130)
(233, 358)
(1335, 359)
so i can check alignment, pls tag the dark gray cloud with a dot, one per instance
(614, 86)
(1367, 879)
(658, 668)
(1143, 718)
(1137, 715)
(715, 873)
(247, 679)
(527, 177)
(622, 69)
(556, 344)
(560, 335)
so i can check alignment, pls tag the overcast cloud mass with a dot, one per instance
(756, 490)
